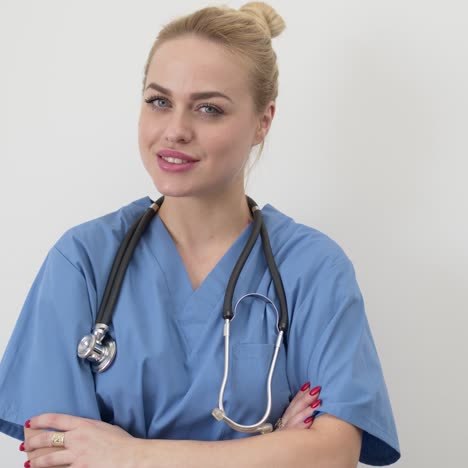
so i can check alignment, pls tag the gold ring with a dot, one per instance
(58, 439)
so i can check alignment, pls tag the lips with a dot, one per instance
(175, 162)
(168, 153)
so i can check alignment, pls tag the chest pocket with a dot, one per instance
(248, 382)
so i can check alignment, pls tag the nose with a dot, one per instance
(178, 128)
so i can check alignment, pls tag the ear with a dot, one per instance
(264, 123)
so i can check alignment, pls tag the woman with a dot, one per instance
(209, 95)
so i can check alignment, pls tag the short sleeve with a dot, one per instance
(331, 329)
(40, 371)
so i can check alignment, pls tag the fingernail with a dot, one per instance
(27, 464)
(21, 447)
(316, 403)
(308, 420)
(305, 386)
(315, 390)
(27, 423)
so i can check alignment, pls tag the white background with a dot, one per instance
(369, 144)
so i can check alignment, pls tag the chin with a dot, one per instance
(180, 188)
(172, 190)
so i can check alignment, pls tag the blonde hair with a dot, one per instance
(246, 32)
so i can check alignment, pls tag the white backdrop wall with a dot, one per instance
(369, 144)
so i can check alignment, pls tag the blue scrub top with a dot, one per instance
(166, 378)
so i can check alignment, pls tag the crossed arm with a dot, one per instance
(331, 443)
(327, 443)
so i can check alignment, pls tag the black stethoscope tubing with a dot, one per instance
(258, 227)
(100, 349)
(133, 235)
(120, 264)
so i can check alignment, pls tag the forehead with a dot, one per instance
(194, 64)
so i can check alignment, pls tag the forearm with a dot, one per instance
(292, 448)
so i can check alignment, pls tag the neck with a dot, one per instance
(196, 223)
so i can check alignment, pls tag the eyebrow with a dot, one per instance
(194, 96)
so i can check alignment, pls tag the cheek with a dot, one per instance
(146, 136)
(231, 144)
(143, 130)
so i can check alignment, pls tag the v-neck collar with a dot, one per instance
(213, 287)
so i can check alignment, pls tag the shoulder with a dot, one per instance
(96, 237)
(306, 247)
(313, 266)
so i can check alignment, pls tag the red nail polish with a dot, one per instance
(27, 423)
(305, 386)
(21, 447)
(27, 464)
(308, 420)
(315, 391)
(316, 403)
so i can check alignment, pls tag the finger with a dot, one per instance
(306, 397)
(309, 421)
(61, 422)
(42, 440)
(301, 393)
(53, 459)
(298, 399)
(302, 420)
(301, 401)
(300, 417)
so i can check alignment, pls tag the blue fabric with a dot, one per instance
(165, 380)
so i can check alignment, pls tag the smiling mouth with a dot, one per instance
(174, 160)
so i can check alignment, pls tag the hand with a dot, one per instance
(298, 414)
(87, 443)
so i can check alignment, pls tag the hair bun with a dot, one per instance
(267, 16)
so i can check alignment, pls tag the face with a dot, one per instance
(214, 132)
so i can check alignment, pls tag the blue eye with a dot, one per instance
(209, 106)
(155, 98)
(215, 111)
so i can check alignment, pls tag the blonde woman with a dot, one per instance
(208, 98)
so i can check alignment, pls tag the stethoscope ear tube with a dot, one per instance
(98, 348)
(115, 268)
(121, 261)
(277, 281)
(258, 228)
(257, 224)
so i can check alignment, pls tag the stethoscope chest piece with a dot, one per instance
(98, 348)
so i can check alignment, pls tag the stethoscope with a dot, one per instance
(100, 349)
